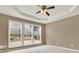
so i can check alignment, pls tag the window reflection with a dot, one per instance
(37, 34)
(27, 32)
(15, 31)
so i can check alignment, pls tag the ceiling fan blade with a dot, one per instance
(38, 12)
(52, 7)
(47, 13)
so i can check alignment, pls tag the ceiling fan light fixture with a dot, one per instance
(44, 11)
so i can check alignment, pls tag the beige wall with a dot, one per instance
(4, 27)
(64, 33)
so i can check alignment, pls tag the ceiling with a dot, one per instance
(29, 12)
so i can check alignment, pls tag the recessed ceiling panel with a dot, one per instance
(29, 12)
(32, 9)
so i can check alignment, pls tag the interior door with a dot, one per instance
(15, 37)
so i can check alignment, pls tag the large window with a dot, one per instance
(23, 34)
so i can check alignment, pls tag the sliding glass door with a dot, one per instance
(37, 34)
(15, 31)
(23, 34)
(27, 34)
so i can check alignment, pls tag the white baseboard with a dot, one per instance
(64, 48)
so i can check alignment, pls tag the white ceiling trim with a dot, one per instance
(73, 8)
(70, 13)
(59, 17)
(63, 15)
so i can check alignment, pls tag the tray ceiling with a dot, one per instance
(29, 12)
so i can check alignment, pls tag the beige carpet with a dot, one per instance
(46, 49)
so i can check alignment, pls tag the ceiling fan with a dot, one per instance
(45, 9)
